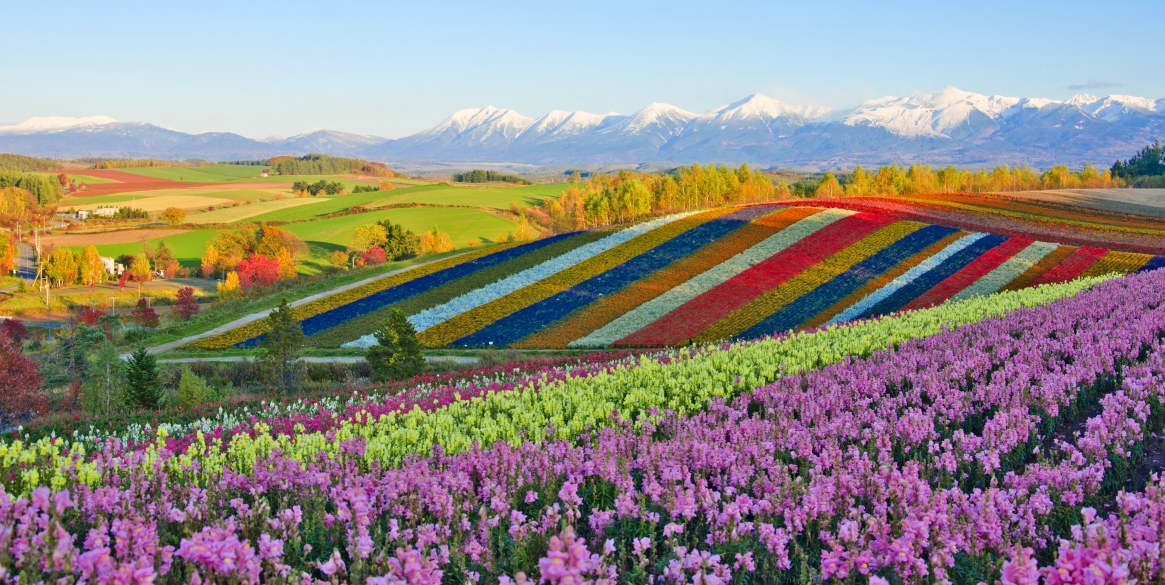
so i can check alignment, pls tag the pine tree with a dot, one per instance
(143, 388)
(397, 353)
(281, 346)
(103, 391)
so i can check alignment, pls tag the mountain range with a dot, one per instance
(952, 126)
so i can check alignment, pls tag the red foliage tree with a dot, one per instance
(186, 306)
(374, 257)
(14, 330)
(20, 399)
(145, 315)
(258, 270)
(88, 316)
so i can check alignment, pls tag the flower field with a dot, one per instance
(1008, 437)
(732, 273)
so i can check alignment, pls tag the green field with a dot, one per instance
(462, 225)
(327, 235)
(240, 174)
(245, 212)
(497, 197)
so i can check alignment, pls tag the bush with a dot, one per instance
(397, 353)
(186, 307)
(374, 257)
(20, 379)
(145, 315)
(193, 390)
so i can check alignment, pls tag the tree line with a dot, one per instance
(916, 179)
(485, 176)
(1144, 169)
(322, 164)
(45, 189)
(27, 164)
(605, 199)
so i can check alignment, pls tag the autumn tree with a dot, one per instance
(209, 264)
(368, 237)
(829, 187)
(258, 270)
(8, 253)
(21, 398)
(145, 315)
(92, 268)
(139, 270)
(61, 266)
(185, 306)
(434, 241)
(173, 216)
(339, 259)
(287, 267)
(229, 287)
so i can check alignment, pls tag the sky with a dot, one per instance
(393, 68)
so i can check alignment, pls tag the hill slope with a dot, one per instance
(726, 273)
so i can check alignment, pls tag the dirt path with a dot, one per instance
(119, 237)
(262, 314)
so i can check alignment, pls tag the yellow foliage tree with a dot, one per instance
(230, 287)
(286, 264)
(210, 261)
(92, 269)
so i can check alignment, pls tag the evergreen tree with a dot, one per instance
(397, 353)
(281, 346)
(143, 388)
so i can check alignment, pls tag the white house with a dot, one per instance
(105, 211)
(112, 266)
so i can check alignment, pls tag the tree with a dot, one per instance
(258, 270)
(281, 345)
(103, 391)
(61, 266)
(229, 288)
(399, 243)
(139, 270)
(397, 353)
(185, 305)
(20, 379)
(145, 315)
(368, 237)
(287, 269)
(373, 257)
(173, 216)
(92, 268)
(143, 387)
(8, 253)
(829, 187)
(210, 261)
(339, 259)
(434, 241)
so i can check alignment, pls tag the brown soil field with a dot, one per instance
(1149, 202)
(120, 237)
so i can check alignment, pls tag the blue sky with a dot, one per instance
(393, 68)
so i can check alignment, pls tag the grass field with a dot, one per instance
(188, 199)
(497, 197)
(244, 212)
(462, 225)
(240, 174)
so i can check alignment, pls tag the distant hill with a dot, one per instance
(951, 126)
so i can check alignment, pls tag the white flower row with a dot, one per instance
(1006, 272)
(652, 310)
(474, 299)
(906, 278)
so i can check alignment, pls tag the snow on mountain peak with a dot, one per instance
(55, 124)
(763, 107)
(928, 115)
(657, 113)
(483, 123)
(564, 123)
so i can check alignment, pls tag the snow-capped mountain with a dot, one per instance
(951, 126)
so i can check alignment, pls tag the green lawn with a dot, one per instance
(203, 174)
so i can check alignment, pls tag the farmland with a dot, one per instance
(722, 274)
(748, 472)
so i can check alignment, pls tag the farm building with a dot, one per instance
(112, 266)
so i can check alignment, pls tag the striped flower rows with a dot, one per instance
(700, 277)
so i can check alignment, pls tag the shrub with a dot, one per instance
(230, 287)
(193, 390)
(258, 270)
(145, 315)
(20, 379)
(374, 257)
(185, 306)
(397, 353)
